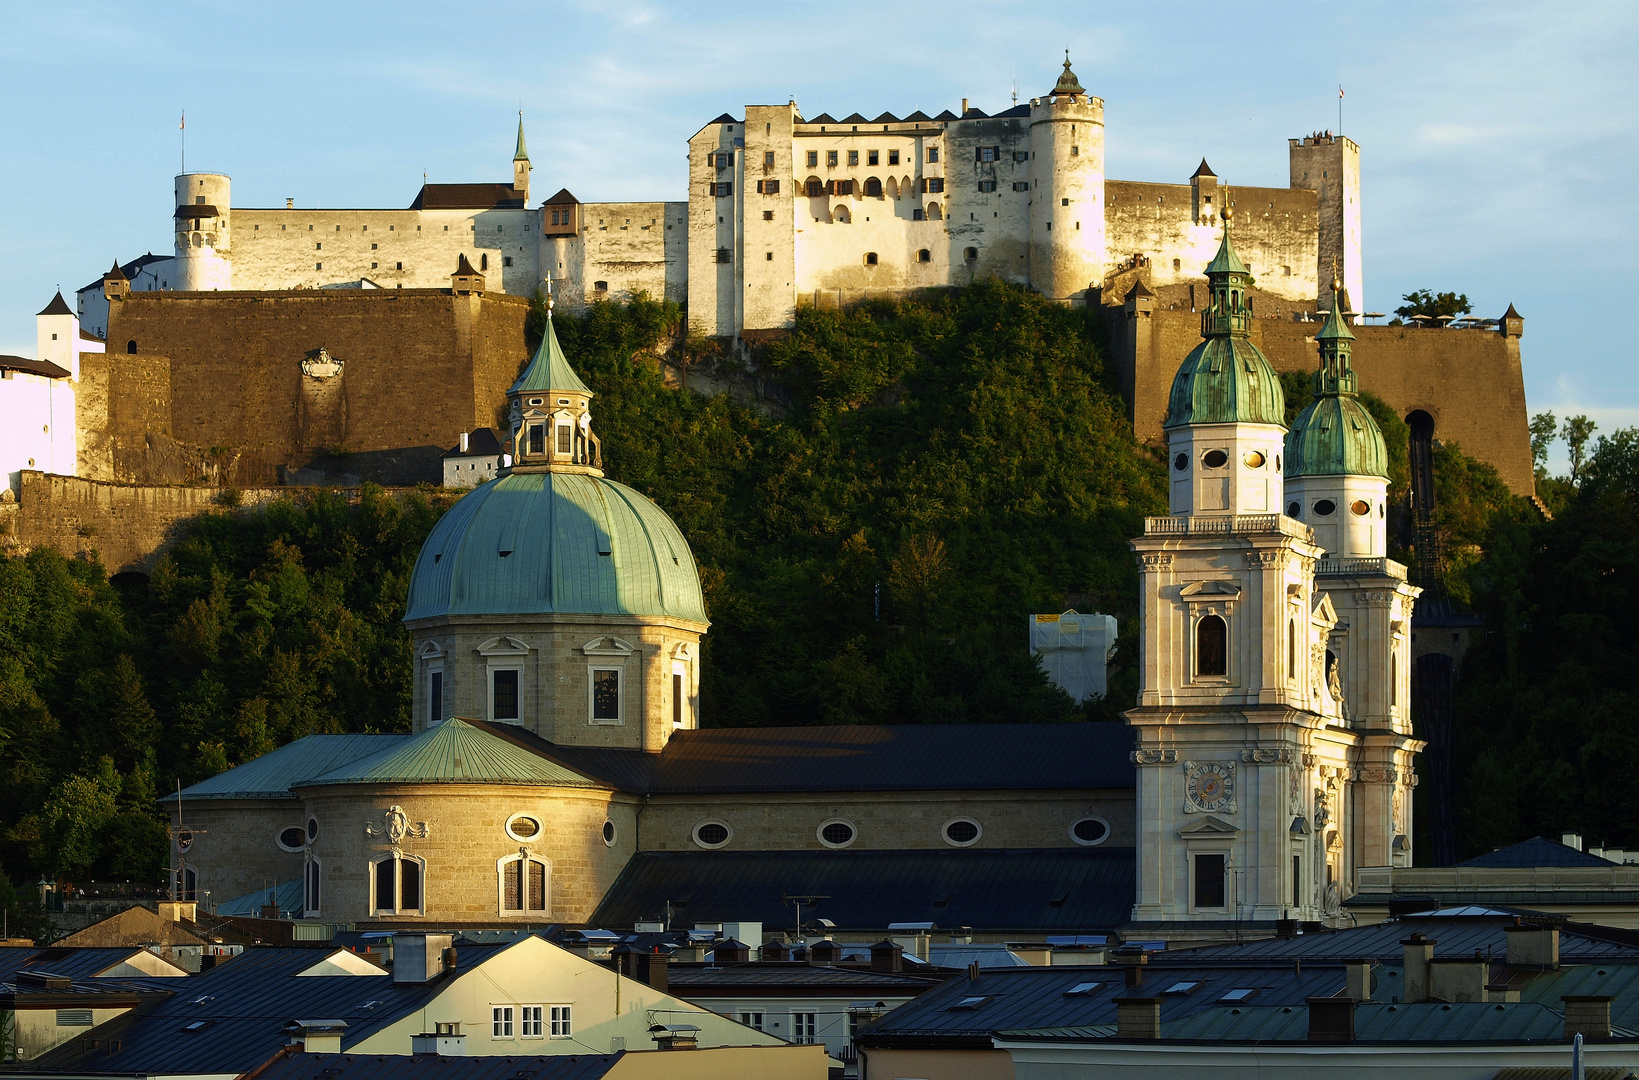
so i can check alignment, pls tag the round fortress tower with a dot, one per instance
(204, 235)
(1067, 242)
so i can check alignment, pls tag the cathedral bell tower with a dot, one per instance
(1239, 739)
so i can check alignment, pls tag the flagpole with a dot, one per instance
(183, 127)
(1340, 109)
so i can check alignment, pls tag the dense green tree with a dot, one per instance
(1426, 303)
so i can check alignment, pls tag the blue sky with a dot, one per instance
(1499, 151)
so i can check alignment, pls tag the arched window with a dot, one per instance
(870, 258)
(131, 346)
(310, 888)
(525, 884)
(840, 215)
(1394, 679)
(924, 256)
(1211, 646)
(397, 885)
(934, 213)
(873, 188)
(1291, 649)
(483, 263)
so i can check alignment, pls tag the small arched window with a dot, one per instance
(310, 887)
(970, 254)
(483, 262)
(870, 258)
(525, 882)
(1291, 648)
(924, 256)
(1211, 646)
(1394, 679)
(131, 346)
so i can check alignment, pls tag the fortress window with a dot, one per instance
(506, 260)
(768, 215)
(768, 187)
(483, 262)
(831, 158)
(1021, 185)
(933, 185)
(813, 159)
(722, 190)
(924, 256)
(1075, 151)
(503, 696)
(131, 347)
(318, 266)
(446, 228)
(870, 258)
(970, 254)
(338, 228)
(987, 153)
(1021, 155)
(918, 214)
(318, 246)
(398, 266)
(893, 157)
(724, 255)
(1177, 264)
(933, 155)
(1064, 202)
(1211, 646)
(987, 185)
(873, 188)
(769, 256)
(605, 695)
(853, 157)
(373, 247)
(871, 157)
(373, 266)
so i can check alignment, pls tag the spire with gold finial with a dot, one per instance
(550, 410)
(1230, 282)
(1068, 85)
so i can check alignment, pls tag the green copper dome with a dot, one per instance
(1226, 379)
(1334, 435)
(538, 543)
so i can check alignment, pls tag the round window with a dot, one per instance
(609, 833)
(1360, 508)
(1090, 831)
(1325, 507)
(523, 827)
(1293, 510)
(962, 831)
(1254, 459)
(184, 841)
(836, 834)
(312, 829)
(1215, 459)
(1181, 462)
(293, 839)
(711, 834)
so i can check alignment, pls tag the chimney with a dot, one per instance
(1571, 840)
(887, 956)
(1286, 928)
(964, 106)
(445, 1040)
(625, 958)
(749, 932)
(463, 442)
(825, 952)
(1419, 954)
(1588, 1016)
(1132, 961)
(1331, 1019)
(317, 1036)
(1358, 979)
(421, 958)
(1533, 946)
(1459, 978)
(675, 1036)
(206, 962)
(1138, 1018)
(774, 950)
(730, 952)
(652, 968)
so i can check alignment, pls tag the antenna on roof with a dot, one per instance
(1015, 86)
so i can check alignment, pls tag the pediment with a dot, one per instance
(1216, 589)
(429, 650)
(607, 646)
(1324, 613)
(682, 651)
(503, 646)
(1208, 826)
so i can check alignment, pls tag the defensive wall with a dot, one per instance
(270, 379)
(1468, 381)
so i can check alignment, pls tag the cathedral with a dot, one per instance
(557, 770)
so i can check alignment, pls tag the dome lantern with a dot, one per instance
(549, 412)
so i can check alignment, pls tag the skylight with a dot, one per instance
(1238, 995)
(1082, 989)
(1181, 988)
(971, 1002)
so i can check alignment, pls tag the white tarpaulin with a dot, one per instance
(1074, 649)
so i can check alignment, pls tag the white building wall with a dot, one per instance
(37, 426)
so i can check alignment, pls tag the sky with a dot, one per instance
(1498, 142)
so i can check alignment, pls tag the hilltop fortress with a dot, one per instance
(783, 211)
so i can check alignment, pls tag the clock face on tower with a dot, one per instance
(1209, 787)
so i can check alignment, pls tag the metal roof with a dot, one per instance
(33, 367)
(1620, 981)
(1023, 890)
(549, 369)
(926, 757)
(555, 543)
(295, 1065)
(696, 980)
(1424, 1022)
(454, 752)
(1226, 380)
(287, 895)
(1537, 851)
(1060, 997)
(271, 775)
(75, 963)
(242, 1005)
(1381, 942)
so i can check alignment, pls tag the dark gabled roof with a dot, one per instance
(244, 1004)
(822, 118)
(270, 776)
(468, 197)
(1203, 169)
(562, 198)
(886, 118)
(725, 119)
(975, 113)
(1511, 313)
(997, 889)
(1536, 851)
(1036, 997)
(1379, 1022)
(481, 442)
(1138, 290)
(946, 115)
(128, 269)
(33, 367)
(792, 977)
(115, 273)
(853, 118)
(1017, 110)
(196, 210)
(1455, 936)
(925, 757)
(463, 268)
(58, 306)
(917, 117)
(76, 964)
(292, 1064)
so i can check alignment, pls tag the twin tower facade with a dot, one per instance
(785, 211)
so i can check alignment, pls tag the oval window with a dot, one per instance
(962, 832)
(184, 841)
(1360, 508)
(711, 834)
(1277, 463)
(1254, 460)
(1090, 831)
(312, 829)
(293, 839)
(1325, 507)
(1293, 509)
(523, 827)
(836, 834)
(1215, 459)
(609, 833)
(1181, 462)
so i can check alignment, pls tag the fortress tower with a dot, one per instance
(204, 236)
(1067, 228)
(1329, 165)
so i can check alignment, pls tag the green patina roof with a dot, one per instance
(522, 153)
(549, 370)
(1226, 261)
(454, 752)
(1335, 435)
(578, 543)
(272, 775)
(1226, 380)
